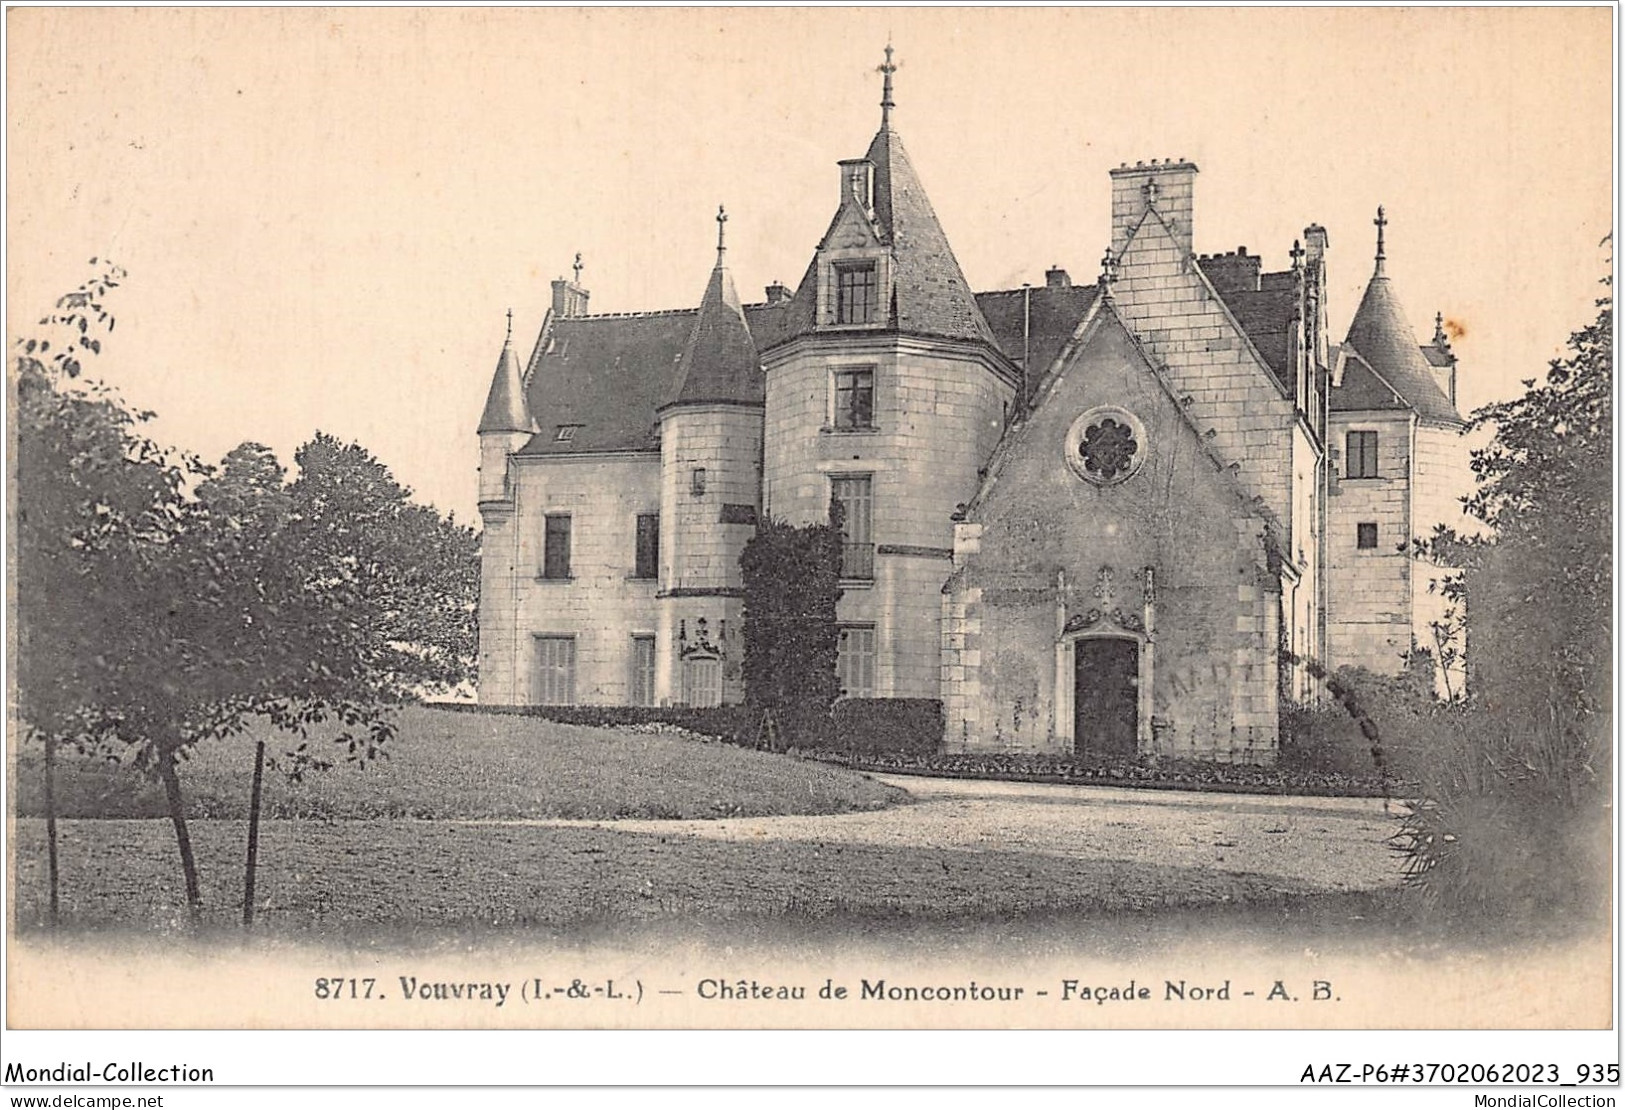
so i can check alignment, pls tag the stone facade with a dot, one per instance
(1113, 518)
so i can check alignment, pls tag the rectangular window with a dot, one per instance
(555, 671)
(648, 551)
(643, 670)
(1366, 536)
(702, 683)
(556, 548)
(856, 293)
(1362, 455)
(855, 661)
(856, 499)
(855, 398)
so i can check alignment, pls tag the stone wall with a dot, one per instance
(1043, 547)
(1368, 618)
(939, 410)
(601, 604)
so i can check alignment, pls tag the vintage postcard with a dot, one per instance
(812, 519)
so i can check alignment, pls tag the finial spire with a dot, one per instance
(722, 223)
(508, 342)
(1382, 255)
(1297, 254)
(1108, 273)
(886, 102)
(576, 266)
(1441, 339)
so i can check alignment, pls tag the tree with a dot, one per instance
(792, 583)
(1514, 809)
(150, 619)
(96, 506)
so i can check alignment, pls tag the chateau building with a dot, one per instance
(1112, 517)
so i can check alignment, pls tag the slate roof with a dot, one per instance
(719, 362)
(1054, 313)
(609, 374)
(1266, 315)
(1383, 338)
(930, 295)
(505, 405)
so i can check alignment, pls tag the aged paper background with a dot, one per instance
(326, 213)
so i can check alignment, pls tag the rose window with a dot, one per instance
(1107, 449)
(1106, 445)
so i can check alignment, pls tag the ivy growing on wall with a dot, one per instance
(792, 582)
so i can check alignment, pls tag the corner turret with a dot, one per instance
(506, 423)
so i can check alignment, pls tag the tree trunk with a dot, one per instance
(253, 835)
(50, 820)
(177, 815)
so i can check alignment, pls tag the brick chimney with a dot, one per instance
(1166, 186)
(1233, 271)
(1057, 278)
(777, 293)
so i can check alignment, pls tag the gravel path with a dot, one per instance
(1297, 844)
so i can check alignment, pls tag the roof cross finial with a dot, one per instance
(1382, 255)
(1108, 273)
(576, 266)
(887, 68)
(1297, 254)
(722, 221)
(1441, 339)
(508, 342)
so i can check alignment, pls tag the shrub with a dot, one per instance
(871, 726)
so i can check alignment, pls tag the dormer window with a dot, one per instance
(566, 433)
(857, 292)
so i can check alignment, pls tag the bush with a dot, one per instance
(872, 726)
(734, 724)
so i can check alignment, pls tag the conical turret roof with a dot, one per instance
(931, 293)
(1383, 337)
(719, 362)
(505, 409)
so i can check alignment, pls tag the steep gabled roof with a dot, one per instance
(608, 375)
(1362, 389)
(1268, 315)
(1035, 323)
(505, 403)
(719, 362)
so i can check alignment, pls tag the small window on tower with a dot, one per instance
(857, 293)
(1366, 536)
(854, 399)
(1362, 455)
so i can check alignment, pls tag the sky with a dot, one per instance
(325, 214)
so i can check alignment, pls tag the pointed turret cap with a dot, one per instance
(930, 295)
(1383, 337)
(719, 363)
(505, 409)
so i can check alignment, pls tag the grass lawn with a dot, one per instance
(445, 765)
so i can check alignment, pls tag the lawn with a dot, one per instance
(445, 765)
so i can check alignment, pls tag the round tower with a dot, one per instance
(710, 454)
(505, 427)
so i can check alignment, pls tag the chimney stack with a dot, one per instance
(777, 293)
(1167, 186)
(1057, 278)
(569, 299)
